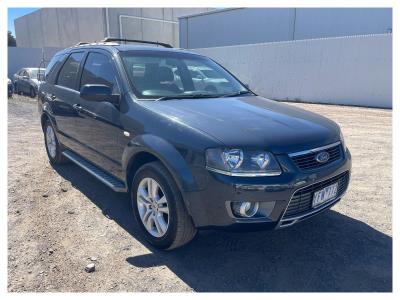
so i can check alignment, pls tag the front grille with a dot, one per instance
(309, 162)
(301, 201)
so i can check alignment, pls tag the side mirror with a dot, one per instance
(98, 93)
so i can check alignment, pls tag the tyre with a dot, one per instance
(17, 90)
(53, 147)
(159, 209)
(32, 92)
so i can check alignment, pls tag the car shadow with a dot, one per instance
(330, 252)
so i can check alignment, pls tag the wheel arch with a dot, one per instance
(46, 114)
(43, 118)
(138, 160)
(146, 148)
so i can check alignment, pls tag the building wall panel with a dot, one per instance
(353, 70)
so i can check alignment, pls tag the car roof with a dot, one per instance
(116, 47)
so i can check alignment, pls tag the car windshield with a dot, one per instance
(174, 75)
(34, 73)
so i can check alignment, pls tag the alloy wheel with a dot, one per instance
(153, 208)
(51, 141)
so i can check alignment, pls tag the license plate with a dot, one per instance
(324, 195)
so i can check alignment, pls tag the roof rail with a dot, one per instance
(82, 43)
(112, 39)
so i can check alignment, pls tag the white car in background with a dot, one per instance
(27, 81)
(209, 80)
(205, 79)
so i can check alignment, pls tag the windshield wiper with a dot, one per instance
(236, 94)
(194, 96)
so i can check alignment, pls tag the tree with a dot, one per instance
(12, 42)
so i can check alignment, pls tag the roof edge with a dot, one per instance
(210, 12)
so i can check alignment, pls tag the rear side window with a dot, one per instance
(52, 68)
(69, 71)
(99, 69)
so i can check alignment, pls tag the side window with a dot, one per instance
(51, 69)
(69, 71)
(99, 69)
(25, 73)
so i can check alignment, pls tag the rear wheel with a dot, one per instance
(32, 92)
(53, 147)
(17, 89)
(159, 209)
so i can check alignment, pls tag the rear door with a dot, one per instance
(63, 95)
(98, 125)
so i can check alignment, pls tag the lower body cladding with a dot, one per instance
(243, 203)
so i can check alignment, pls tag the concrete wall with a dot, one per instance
(354, 70)
(59, 27)
(259, 25)
(19, 57)
(64, 27)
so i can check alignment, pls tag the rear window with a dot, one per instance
(52, 68)
(69, 71)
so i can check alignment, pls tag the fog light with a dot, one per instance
(245, 209)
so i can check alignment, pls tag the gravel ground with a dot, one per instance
(60, 220)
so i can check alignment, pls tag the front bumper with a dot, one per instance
(210, 207)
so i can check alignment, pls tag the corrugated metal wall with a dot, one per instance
(261, 25)
(59, 27)
(154, 24)
(354, 70)
(64, 27)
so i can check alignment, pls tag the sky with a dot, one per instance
(14, 13)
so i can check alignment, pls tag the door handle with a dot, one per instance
(77, 107)
(83, 111)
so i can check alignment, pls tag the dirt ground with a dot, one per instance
(59, 219)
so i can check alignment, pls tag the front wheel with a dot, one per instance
(159, 209)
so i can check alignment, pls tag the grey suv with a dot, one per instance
(135, 117)
(27, 81)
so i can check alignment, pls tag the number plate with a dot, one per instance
(326, 194)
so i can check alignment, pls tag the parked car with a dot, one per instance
(10, 87)
(189, 158)
(205, 78)
(27, 81)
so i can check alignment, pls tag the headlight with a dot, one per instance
(237, 162)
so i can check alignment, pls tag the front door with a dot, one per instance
(99, 126)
